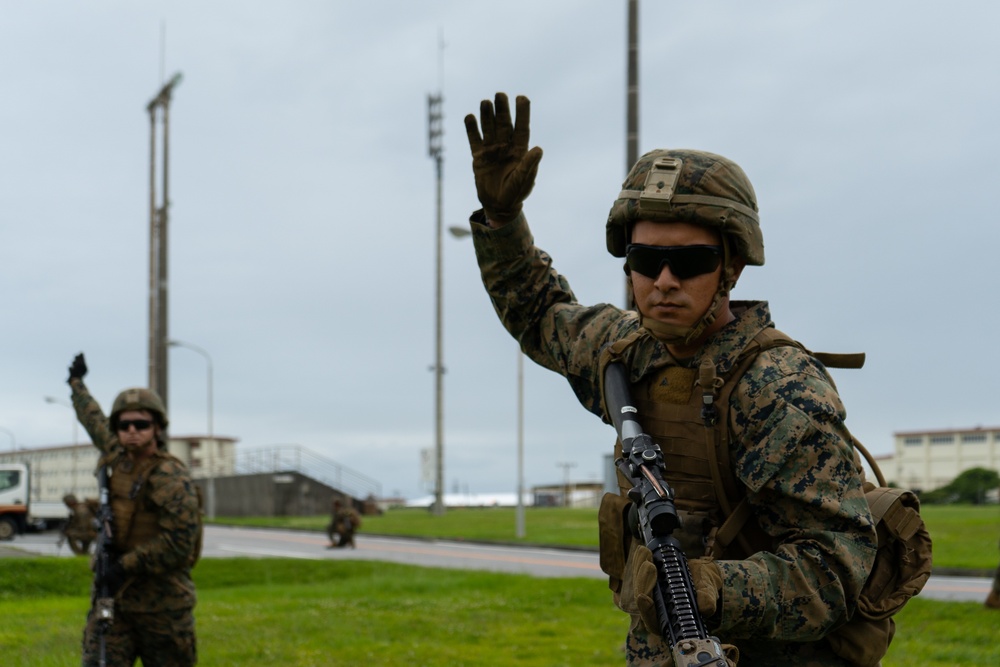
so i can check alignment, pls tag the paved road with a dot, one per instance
(222, 542)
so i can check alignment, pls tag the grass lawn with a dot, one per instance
(965, 536)
(312, 613)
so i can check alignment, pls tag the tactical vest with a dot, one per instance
(686, 412)
(134, 516)
(672, 402)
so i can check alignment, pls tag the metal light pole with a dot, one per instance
(632, 105)
(13, 442)
(519, 520)
(435, 132)
(210, 476)
(50, 399)
(463, 232)
(158, 228)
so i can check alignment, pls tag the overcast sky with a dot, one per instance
(303, 209)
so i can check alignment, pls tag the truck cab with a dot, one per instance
(15, 485)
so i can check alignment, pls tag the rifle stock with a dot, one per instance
(103, 597)
(681, 625)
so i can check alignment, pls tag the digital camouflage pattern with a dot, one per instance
(158, 581)
(164, 639)
(788, 446)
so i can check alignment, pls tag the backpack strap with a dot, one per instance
(732, 527)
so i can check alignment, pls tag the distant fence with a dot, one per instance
(284, 458)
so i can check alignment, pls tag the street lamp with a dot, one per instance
(463, 232)
(210, 477)
(13, 443)
(50, 399)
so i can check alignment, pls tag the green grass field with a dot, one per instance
(303, 613)
(965, 536)
(317, 613)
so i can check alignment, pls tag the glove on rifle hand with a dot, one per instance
(706, 580)
(78, 368)
(503, 166)
(115, 577)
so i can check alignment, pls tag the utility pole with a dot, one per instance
(566, 493)
(435, 134)
(632, 105)
(159, 106)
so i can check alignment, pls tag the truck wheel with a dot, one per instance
(8, 529)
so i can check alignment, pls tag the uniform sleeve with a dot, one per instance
(172, 493)
(795, 456)
(90, 415)
(538, 308)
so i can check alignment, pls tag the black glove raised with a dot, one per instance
(78, 368)
(503, 166)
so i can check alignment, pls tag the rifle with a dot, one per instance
(102, 597)
(681, 625)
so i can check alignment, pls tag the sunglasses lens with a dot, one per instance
(684, 261)
(139, 424)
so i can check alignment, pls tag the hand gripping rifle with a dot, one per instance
(642, 462)
(102, 598)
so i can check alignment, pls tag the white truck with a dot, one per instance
(18, 513)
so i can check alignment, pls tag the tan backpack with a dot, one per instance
(903, 559)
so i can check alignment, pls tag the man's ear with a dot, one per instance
(736, 266)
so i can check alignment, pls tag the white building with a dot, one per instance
(62, 469)
(927, 460)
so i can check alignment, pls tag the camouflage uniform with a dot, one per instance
(344, 521)
(80, 531)
(788, 446)
(153, 608)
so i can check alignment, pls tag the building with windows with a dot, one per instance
(928, 460)
(56, 471)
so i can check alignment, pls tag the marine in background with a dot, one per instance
(344, 522)
(80, 530)
(156, 531)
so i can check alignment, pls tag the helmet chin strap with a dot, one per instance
(675, 334)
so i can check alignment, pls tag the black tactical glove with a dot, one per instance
(504, 167)
(78, 368)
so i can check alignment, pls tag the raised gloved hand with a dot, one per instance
(78, 368)
(503, 166)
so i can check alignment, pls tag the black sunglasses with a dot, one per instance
(140, 424)
(685, 261)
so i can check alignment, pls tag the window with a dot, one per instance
(909, 442)
(942, 439)
(974, 437)
(9, 479)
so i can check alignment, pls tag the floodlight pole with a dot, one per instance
(158, 229)
(435, 132)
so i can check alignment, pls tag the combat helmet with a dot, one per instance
(139, 398)
(683, 185)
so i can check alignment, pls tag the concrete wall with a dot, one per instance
(271, 494)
